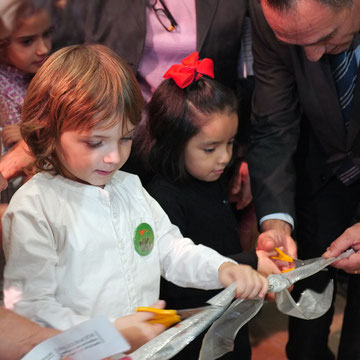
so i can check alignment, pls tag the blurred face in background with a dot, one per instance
(30, 42)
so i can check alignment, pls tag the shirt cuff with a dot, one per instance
(279, 216)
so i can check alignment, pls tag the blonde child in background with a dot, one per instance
(21, 55)
(81, 238)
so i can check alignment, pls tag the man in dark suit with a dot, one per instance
(305, 145)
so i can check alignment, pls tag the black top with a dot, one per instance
(203, 213)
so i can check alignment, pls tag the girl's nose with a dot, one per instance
(225, 156)
(113, 157)
(43, 47)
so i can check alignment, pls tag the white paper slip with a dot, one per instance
(94, 339)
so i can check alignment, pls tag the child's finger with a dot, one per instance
(264, 289)
(160, 304)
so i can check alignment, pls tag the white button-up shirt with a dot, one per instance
(71, 256)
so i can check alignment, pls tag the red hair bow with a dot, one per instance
(191, 69)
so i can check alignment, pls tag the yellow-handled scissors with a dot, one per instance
(169, 317)
(284, 257)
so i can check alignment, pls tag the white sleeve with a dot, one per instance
(30, 248)
(182, 262)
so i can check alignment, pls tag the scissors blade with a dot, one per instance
(299, 262)
(186, 313)
(312, 266)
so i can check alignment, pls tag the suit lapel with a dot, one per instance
(205, 11)
(326, 104)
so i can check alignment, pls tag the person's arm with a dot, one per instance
(275, 123)
(30, 247)
(20, 335)
(350, 238)
(189, 265)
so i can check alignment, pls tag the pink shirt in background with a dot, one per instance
(163, 48)
(13, 85)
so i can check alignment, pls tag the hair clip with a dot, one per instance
(191, 69)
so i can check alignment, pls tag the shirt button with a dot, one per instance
(115, 215)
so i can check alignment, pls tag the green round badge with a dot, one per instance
(144, 239)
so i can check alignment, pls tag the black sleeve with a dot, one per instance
(246, 258)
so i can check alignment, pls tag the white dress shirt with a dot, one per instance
(71, 256)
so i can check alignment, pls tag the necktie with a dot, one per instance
(344, 68)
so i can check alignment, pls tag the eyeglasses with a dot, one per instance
(164, 15)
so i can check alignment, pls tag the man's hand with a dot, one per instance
(135, 328)
(277, 233)
(250, 283)
(266, 265)
(350, 238)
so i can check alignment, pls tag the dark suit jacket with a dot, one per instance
(121, 25)
(296, 116)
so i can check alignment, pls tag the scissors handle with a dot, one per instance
(161, 316)
(282, 256)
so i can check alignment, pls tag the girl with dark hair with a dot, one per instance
(188, 140)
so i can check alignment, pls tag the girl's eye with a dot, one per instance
(27, 42)
(127, 138)
(209, 150)
(94, 145)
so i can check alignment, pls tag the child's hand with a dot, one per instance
(15, 160)
(266, 265)
(11, 134)
(250, 283)
(135, 328)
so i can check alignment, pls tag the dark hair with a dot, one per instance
(174, 116)
(287, 5)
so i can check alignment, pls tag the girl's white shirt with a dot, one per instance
(71, 256)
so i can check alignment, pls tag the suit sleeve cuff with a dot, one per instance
(279, 216)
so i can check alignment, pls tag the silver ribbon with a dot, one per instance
(228, 317)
